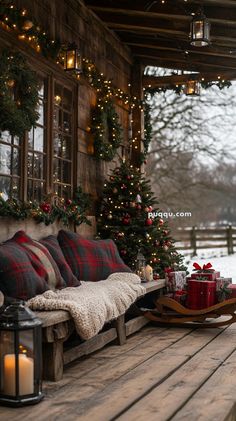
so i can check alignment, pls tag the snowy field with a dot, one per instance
(219, 260)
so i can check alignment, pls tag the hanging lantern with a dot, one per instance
(200, 31)
(20, 356)
(72, 59)
(192, 88)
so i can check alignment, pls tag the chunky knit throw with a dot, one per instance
(93, 303)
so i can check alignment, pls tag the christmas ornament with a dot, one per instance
(146, 209)
(120, 234)
(148, 221)
(115, 190)
(126, 220)
(46, 207)
(165, 247)
(156, 276)
(123, 187)
(27, 25)
(128, 177)
(160, 222)
(156, 243)
(165, 232)
(138, 206)
(156, 260)
(138, 199)
(132, 204)
(68, 202)
(123, 252)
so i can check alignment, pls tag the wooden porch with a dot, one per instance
(159, 374)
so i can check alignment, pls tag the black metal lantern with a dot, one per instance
(20, 356)
(72, 59)
(200, 30)
(192, 88)
(140, 266)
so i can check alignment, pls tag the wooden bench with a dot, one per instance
(58, 327)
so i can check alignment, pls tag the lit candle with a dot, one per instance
(26, 375)
(149, 273)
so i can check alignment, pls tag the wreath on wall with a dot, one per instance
(19, 96)
(106, 130)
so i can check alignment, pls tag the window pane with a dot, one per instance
(66, 172)
(30, 164)
(5, 186)
(41, 113)
(5, 159)
(6, 137)
(67, 99)
(38, 166)
(67, 123)
(16, 161)
(15, 187)
(38, 139)
(66, 148)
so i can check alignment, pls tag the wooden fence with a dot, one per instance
(205, 238)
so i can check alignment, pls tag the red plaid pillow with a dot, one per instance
(41, 260)
(18, 278)
(51, 243)
(90, 260)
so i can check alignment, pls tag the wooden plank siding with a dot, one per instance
(74, 22)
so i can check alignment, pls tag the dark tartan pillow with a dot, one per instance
(90, 260)
(18, 278)
(41, 260)
(51, 243)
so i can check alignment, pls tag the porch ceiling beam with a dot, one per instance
(222, 16)
(227, 63)
(181, 65)
(162, 81)
(141, 4)
(181, 47)
(150, 26)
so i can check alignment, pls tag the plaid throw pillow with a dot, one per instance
(90, 260)
(41, 260)
(51, 243)
(18, 278)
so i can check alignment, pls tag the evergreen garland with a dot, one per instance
(106, 130)
(18, 94)
(69, 211)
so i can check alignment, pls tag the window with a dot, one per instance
(10, 165)
(42, 162)
(36, 177)
(62, 141)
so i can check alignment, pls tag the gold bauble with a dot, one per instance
(27, 25)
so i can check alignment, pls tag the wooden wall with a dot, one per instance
(71, 21)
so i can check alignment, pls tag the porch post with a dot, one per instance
(137, 114)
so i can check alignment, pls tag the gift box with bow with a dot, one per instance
(201, 294)
(206, 272)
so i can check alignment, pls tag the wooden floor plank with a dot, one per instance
(162, 402)
(216, 400)
(83, 388)
(127, 389)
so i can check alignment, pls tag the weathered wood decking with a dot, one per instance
(161, 373)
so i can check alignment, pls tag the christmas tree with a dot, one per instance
(128, 214)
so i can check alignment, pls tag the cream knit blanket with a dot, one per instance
(93, 304)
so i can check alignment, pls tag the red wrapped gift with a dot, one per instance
(223, 282)
(205, 272)
(201, 294)
(232, 288)
(205, 276)
(180, 296)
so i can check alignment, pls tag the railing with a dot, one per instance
(205, 238)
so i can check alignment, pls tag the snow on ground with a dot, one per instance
(219, 260)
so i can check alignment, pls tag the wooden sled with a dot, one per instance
(170, 311)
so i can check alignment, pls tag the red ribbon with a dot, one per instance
(204, 268)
